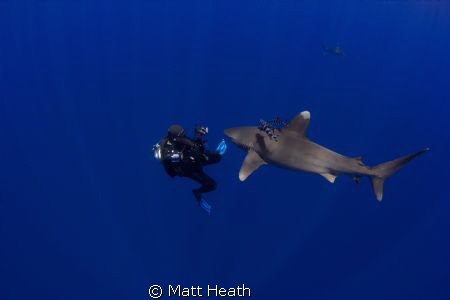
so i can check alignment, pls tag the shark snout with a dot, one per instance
(232, 133)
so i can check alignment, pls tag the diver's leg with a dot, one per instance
(207, 183)
(213, 158)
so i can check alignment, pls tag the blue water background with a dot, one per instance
(86, 88)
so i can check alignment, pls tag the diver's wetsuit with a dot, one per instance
(194, 157)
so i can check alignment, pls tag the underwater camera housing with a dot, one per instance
(157, 151)
(168, 155)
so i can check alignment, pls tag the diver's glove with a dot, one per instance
(222, 147)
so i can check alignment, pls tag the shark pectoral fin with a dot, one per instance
(300, 122)
(330, 177)
(251, 162)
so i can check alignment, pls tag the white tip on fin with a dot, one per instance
(251, 162)
(306, 115)
(330, 177)
(242, 177)
(300, 122)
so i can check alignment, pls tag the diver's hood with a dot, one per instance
(176, 130)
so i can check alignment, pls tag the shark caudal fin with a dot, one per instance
(387, 169)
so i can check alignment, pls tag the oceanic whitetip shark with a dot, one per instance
(293, 150)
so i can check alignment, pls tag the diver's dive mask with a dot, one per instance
(201, 131)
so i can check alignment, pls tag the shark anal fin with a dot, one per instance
(251, 162)
(330, 177)
(300, 122)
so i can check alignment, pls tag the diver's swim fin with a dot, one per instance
(222, 147)
(201, 202)
(206, 206)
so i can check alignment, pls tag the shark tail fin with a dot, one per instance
(387, 169)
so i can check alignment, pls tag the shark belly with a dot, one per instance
(299, 156)
(309, 157)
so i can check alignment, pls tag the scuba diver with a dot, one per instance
(185, 157)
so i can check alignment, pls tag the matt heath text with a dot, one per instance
(157, 292)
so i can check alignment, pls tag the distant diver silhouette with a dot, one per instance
(336, 50)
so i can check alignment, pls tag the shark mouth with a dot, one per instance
(244, 146)
(243, 137)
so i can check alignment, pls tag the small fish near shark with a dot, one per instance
(292, 149)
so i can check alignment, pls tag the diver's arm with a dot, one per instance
(212, 158)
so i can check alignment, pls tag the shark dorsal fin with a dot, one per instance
(300, 122)
(251, 162)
